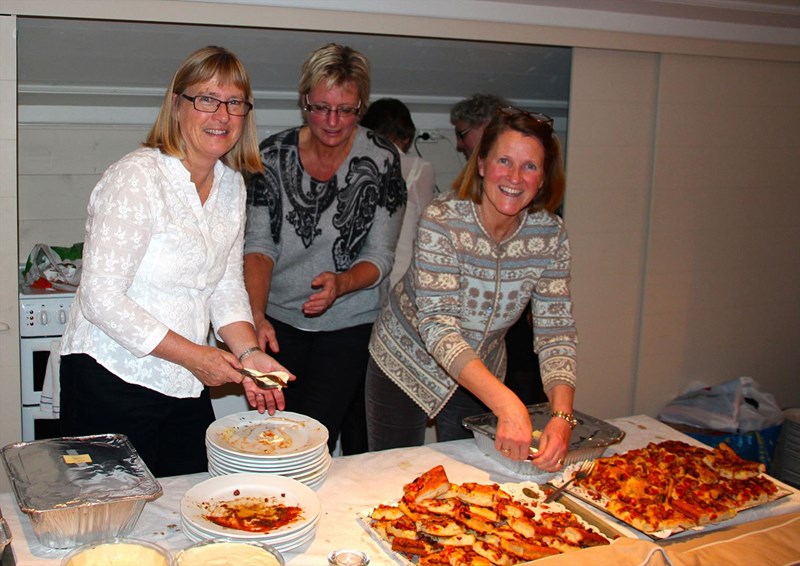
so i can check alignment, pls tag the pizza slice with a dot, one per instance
(729, 465)
(429, 485)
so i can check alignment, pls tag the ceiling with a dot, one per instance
(89, 62)
(74, 62)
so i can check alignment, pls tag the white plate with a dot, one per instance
(197, 501)
(284, 545)
(289, 471)
(291, 434)
(310, 461)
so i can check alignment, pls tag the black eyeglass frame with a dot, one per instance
(461, 134)
(244, 103)
(325, 110)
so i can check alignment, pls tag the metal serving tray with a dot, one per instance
(78, 490)
(589, 438)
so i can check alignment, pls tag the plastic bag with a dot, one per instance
(734, 406)
(53, 267)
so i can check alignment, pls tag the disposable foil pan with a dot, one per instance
(5, 536)
(79, 490)
(589, 438)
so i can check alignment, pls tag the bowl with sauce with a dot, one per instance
(118, 552)
(222, 552)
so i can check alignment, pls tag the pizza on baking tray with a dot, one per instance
(436, 523)
(673, 485)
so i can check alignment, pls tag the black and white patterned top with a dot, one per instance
(307, 226)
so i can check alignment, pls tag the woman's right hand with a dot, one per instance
(514, 430)
(213, 366)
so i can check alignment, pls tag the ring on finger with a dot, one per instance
(505, 450)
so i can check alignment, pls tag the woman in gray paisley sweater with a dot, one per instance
(322, 225)
(437, 348)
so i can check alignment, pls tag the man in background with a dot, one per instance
(469, 118)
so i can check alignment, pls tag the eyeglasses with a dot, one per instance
(538, 116)
(325, 110)
(463, 133)
(203, 103)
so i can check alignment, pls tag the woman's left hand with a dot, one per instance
(322, 300)
(262, 400)
(553, 445)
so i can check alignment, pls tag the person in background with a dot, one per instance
(163, 259)
(469, 118)
(323, 221)
(480, 257)
(391, 118)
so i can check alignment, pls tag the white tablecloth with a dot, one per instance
(357, 483)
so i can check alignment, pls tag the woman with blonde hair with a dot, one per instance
(162, 262)
(322, 224)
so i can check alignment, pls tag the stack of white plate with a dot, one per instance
(230, 492)
(286, 444)
(787, 459)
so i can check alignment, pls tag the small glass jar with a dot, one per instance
(348, 557)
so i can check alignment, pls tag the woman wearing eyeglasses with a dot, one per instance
(480, 256)
(162, 260)
(323, 221)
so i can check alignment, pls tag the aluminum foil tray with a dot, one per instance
(79, 490)
(589, 438)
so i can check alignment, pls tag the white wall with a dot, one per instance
(59, 165)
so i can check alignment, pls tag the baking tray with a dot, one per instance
(590, 437)
(535, 504)
(588, 498)
(79, 490)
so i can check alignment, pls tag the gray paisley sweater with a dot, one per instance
(308, 226)
(462, 293)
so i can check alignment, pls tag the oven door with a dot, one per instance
(39, 425)
(34, 354)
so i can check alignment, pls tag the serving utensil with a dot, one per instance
(268, 380)
(582, 473)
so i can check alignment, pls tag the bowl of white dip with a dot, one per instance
(220, 552)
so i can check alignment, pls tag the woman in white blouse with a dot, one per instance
(162, 261)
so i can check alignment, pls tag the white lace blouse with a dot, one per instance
(155, 259)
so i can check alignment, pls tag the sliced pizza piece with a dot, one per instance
(729, 465)
(429, 485)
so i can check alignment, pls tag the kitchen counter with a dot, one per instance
(358, 483)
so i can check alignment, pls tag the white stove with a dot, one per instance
(42, 318)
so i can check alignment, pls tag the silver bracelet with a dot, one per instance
(247, 352)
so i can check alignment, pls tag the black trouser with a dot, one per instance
(330, 367)
(167, 432)
(396, 421)
(522, 373)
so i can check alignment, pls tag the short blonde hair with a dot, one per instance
(201, 66)
(336, 65)
(469, 184)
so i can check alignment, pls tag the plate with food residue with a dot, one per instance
(268, 508)
(252, 435)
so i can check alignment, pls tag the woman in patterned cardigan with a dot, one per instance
(437, 349)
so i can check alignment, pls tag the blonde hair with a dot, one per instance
(336, 65)
(469, 184)
(201, 66)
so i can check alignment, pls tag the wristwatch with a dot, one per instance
(569, 417)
